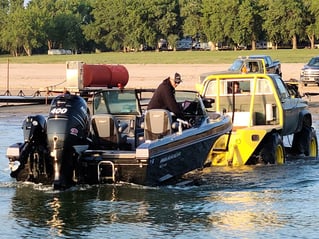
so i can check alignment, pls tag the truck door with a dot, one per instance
(289, 106)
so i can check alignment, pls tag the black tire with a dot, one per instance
(272, 151)
(305, 142)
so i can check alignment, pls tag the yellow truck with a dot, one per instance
(270, 119)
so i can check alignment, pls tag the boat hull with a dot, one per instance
(154, 163)
(120, 141)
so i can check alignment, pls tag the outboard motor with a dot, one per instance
(31, 161)
(67, 126)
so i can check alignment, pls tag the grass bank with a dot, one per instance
(178, 57)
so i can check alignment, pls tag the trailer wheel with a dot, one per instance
(273, 151)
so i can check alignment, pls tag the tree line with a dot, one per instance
(104, 25)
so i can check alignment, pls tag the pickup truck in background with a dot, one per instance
(250, 64)
(247, 65)
(310, 72)
(271, 65)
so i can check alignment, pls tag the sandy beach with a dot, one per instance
(32, 77)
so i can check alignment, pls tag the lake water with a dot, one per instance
(247, 202)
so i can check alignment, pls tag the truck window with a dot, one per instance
(263, 87)
(254, 67)
(211, 89)
(236, 66)
(239, 86)
(283, 92)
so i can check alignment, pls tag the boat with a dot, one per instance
(111, 137)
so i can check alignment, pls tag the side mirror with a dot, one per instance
(208, 102)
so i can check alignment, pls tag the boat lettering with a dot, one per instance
(59, 111)
(170, 157)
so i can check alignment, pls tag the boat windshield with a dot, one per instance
(186, 96)
(116, 102)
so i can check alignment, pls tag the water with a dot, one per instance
(247, 202)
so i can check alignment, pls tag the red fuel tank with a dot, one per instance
(104, 75)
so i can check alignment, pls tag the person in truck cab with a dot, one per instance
(236, 88)
(254, 67)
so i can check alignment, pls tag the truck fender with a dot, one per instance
(304, 118)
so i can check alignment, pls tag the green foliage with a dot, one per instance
(125, 25)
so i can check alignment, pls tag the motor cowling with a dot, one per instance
(67, 125)
(34, 129)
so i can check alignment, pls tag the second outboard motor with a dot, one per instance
(67, 125)
(30, 161)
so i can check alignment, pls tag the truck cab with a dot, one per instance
(246, 65)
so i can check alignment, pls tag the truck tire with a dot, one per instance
(313, 146)
(305, 142)
(273, 151)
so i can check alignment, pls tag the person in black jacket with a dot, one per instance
(164, 96)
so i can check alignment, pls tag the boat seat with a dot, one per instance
(157, 124)
(107, 131)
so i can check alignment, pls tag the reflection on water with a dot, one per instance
(55, 224)
(246, 202)
(244, 214)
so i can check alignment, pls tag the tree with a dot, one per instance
(250, 28)
(191, 14)
(13, 21)
(294, 20)
(220, 21)
(283, 21)
(60, 22)
(32, 29)
(144, 22)
(311, 10)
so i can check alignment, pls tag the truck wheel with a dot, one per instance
(313, 146)
(305, 142)
(273, 151)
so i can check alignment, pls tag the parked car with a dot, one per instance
(59, 52)
(310, 72)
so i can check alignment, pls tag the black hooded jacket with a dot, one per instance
(164, 98)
